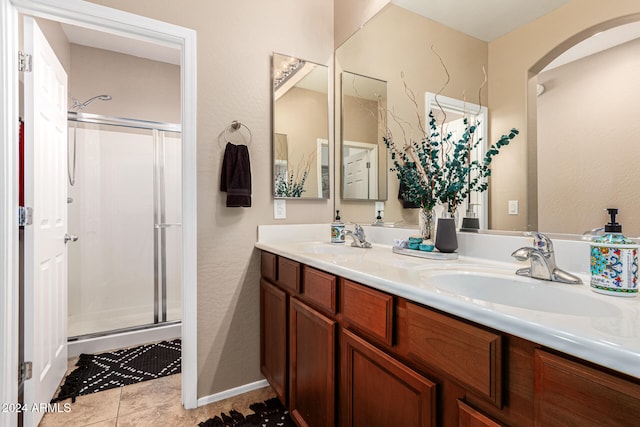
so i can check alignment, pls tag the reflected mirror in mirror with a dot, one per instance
(364, 156)
(536, 174)
(300, 128)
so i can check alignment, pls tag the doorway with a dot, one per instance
(136, 27)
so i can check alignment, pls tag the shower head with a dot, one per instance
(77, 105)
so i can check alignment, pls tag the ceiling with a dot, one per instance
(112, 42)
(486, 20)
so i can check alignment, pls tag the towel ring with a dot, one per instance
(234, 126)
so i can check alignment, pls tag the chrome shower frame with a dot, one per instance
(159, 208)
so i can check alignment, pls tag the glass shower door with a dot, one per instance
(125, 207)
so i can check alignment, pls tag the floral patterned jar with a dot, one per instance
(614, 265)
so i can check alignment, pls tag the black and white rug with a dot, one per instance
(269, 413)
(98, 372)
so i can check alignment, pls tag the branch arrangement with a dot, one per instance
(438, 168)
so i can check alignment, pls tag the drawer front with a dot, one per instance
(569, 393)
(268, 266)
(289, 275)
(367, 310)
(472, 356)
(319, 288)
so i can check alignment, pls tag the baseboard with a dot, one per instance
(232, 392)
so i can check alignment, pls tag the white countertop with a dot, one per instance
(610, 338)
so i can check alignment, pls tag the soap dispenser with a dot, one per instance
(337, 230)
(614, 261)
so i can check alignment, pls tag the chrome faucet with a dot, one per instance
(543, 261)
(359, 239)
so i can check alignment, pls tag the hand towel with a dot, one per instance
(236, 176)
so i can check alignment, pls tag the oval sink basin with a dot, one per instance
(520, 292)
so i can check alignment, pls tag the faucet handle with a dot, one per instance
(540, 241)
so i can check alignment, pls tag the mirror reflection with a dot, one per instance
(300, 128)
(364, 157)
(543, 181)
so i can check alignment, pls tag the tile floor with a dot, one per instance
(149, 403)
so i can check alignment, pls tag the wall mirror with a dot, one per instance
(535, 174)
(364, 157)
(300, 128)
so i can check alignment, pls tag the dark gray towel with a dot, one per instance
(236, 176)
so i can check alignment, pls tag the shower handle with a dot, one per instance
(70, 237)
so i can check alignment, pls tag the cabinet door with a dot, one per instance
(469, 417)
(378, 391)
(312, 375)
(273, 337)
(569, 393)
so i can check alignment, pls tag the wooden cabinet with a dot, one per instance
(379, 391)
(273, 338)
(339, 353)
(570, 393)
(312, 354)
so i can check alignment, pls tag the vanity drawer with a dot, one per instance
(319, 288)
(367, 310)
(289, 274)
(471, 355)
(268, 266)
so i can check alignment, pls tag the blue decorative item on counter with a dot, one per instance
(427, 246)
(614, 261)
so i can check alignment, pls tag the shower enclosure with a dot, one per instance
(125, 208)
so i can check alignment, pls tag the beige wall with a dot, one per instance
(382, 50)
(588, 131)
(235, 42)
(350, 15)
(141, 88)
(511, 58)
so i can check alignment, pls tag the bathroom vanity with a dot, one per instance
(362, 337)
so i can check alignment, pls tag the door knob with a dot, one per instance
(70, 237)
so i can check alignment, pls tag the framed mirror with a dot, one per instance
(364, 157)
(300, 112)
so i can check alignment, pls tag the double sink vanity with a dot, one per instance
(366, 337)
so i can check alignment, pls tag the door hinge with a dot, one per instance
(25, 216)
(24, 62)
(368, 165)
(26, 371)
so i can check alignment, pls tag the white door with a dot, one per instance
(356, 175)
(45, 287)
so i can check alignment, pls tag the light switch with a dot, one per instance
(513, 207)
(279, 209)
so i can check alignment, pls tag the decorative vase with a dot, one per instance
(446, 238)
(426, 222)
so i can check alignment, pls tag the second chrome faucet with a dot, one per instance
(543, 261)
(359, 239)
